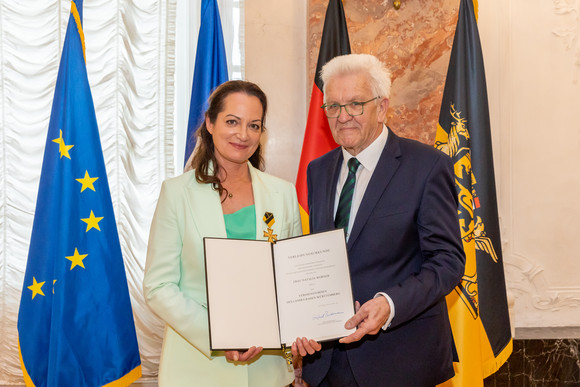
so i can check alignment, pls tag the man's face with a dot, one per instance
(358, 132)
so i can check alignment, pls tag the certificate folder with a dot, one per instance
(266, 295)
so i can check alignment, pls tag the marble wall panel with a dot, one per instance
(540, 363)
(415, 43)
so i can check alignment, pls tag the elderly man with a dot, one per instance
(397, 202)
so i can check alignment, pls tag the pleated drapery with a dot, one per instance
(130, 53)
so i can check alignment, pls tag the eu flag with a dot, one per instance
(478, 307)
(211, 68)
(75, 323)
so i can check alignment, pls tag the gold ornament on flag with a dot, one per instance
(457, 147)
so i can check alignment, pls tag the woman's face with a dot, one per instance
(237, 129)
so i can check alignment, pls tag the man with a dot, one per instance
(399, 210)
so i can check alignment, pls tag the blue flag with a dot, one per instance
(75, 323)
(211, 69)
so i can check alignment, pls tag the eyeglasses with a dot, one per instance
(353, 109)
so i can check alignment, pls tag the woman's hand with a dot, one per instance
(243, 356)
(303, 346)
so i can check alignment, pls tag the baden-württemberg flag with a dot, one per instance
(478, 306)
(75, 324)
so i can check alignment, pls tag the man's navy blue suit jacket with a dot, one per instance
(405, 241)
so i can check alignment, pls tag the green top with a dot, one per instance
(242, 223)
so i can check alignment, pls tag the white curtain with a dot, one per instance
(130, 52)
(140, 59)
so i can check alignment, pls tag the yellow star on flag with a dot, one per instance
(36, 287)
(77, 259)
(87, 181)
(62, 147)
(92, 221)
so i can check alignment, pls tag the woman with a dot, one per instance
(225, 195)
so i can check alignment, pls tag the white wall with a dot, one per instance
(531, 52)
(276, 60)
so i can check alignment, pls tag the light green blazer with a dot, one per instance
(174, 283)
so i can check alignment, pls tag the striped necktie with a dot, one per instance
(345, 200)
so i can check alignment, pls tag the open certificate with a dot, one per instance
(267, 295)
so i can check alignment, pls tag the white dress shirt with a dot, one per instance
(368, 158)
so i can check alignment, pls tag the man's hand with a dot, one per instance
(304, 347)
(243, 356)
(369, 319)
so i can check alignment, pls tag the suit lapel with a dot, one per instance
(266, 199)
(206, 208)
(384, 172)
(329, 183)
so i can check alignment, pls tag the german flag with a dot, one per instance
(317, 138)
(478, 306)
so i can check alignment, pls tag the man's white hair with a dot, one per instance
(379, 75)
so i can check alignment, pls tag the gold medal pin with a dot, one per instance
(269, 220)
